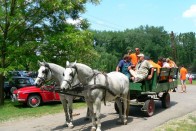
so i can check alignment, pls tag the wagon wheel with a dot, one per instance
(34, 100)
(149, 107)
(116, 108)
(165, 99)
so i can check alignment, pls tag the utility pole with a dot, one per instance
(173, 46)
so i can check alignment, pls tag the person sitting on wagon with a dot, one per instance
(160, 61)
(171, 63)
(134, 58)
(155, 65)
(165, 64)
(123, 65)
(142, 70)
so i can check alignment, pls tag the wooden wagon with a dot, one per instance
(144, 93)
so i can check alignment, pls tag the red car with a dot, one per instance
(34, 96)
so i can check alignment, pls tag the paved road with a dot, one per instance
(181, 104)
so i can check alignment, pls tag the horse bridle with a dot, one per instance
(46, 71)
(73, 73)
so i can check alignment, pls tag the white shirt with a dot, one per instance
(190, 76)
(165, 64)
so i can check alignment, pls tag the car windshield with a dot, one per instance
(19, 73)
(24, 81)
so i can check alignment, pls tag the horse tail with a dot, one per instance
(128, 102)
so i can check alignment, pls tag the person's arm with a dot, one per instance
(117, 68)
(151, 73)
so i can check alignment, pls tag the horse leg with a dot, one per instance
(64, 103)
(91, 110)
(98, 113)
(128, 104)
(119, 104)
(87, 114)
(70, 102)
(125, 110)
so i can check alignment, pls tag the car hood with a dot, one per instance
(27, 89)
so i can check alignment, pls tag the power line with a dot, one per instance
(110, 25)
(105, 25)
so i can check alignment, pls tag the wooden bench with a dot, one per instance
(167, 73)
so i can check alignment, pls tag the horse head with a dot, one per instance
(44, 73)
(76, 72)
(70, 76)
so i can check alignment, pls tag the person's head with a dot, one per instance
(140, 56)
(137, 51)
(167, 60)
(129, 52)
(126, 57)
(164, 59)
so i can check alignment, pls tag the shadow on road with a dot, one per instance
(111, 122)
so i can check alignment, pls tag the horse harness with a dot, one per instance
(98, 86)
(75, 88)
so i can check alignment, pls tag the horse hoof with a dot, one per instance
(70, 126)
(93, 128)
(98, 129)
(125, 122)
(66, 125)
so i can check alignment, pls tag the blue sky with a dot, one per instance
(117, 15)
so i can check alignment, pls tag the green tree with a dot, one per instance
(24, 25)
(186, 48)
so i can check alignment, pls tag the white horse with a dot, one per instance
(98, 87)
(49, 71)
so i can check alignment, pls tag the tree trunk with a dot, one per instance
(1, 89)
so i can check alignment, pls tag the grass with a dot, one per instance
(187, 82)
(185, 123)
(10, 110)
(193, 82)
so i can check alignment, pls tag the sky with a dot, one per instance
(178, 16)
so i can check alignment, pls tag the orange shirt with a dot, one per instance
(134, 59)
(155, 65)
(183, 73)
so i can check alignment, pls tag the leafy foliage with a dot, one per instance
(153, 41)
(31, 27)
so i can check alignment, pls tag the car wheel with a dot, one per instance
(34, 100)
(13, 89)
(5, 95)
